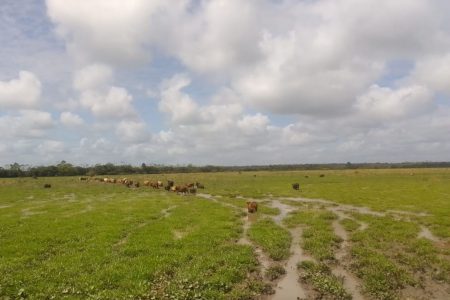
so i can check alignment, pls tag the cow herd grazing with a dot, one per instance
(189, 188)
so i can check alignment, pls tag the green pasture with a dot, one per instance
(92, 240)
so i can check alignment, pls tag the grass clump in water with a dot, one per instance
(274, 239)
(324, 282)
(318, 236)
(274, 272)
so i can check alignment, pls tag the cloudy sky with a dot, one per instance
(226, 82)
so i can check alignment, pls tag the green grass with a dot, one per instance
(273, 239)
(427, 190)
(274, 272)
(350, 225)
(92, 240)
(104, 241)
(389, 257)
(324, 282)
(318, 237)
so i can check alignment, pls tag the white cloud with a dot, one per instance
(179, 106)
(434, 71)
(133, 132)
(255, 124)
(111, 31)
(114, 103)
(382, 103)
(272, 81)
(21, 93)
(70, 119)
(93, 76)
(28, 123)
(50, 147)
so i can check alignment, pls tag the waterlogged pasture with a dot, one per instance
(351, 234)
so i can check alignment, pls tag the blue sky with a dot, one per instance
(224, 82)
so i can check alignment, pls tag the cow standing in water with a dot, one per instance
(252, 207)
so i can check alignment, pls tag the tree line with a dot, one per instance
(67, 169)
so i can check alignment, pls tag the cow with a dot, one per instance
(82, 178)
(167, 188)
(306, 176)
(322, 175)
(146, 183)
(170, 183)
(190, 185)
(252, 207)
(47, 186)
(296, 186)
(137, 184)
(199, 185)
(182, 190)
(193, 191)
(159, 183)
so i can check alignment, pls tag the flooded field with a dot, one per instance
(366, 234)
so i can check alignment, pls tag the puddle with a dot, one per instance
(340, 207)
(408, 213)
(284, 211)
(289, 286)
(263, 259)
(350, 282)
(427, 234)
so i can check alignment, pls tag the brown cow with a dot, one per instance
(47, 186)
(252, 207)
(181, 189)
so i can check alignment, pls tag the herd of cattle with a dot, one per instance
(189, 188)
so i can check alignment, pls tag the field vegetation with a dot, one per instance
(92, 240)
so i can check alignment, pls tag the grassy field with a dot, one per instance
(80, 240)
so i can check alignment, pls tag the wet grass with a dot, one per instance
(388, 256)
(102, 241)
(273, 239)
(320, 242)
(108, 242)
(274, 272)
(318, 238)
(324, 282)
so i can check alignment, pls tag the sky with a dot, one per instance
(224, 82)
